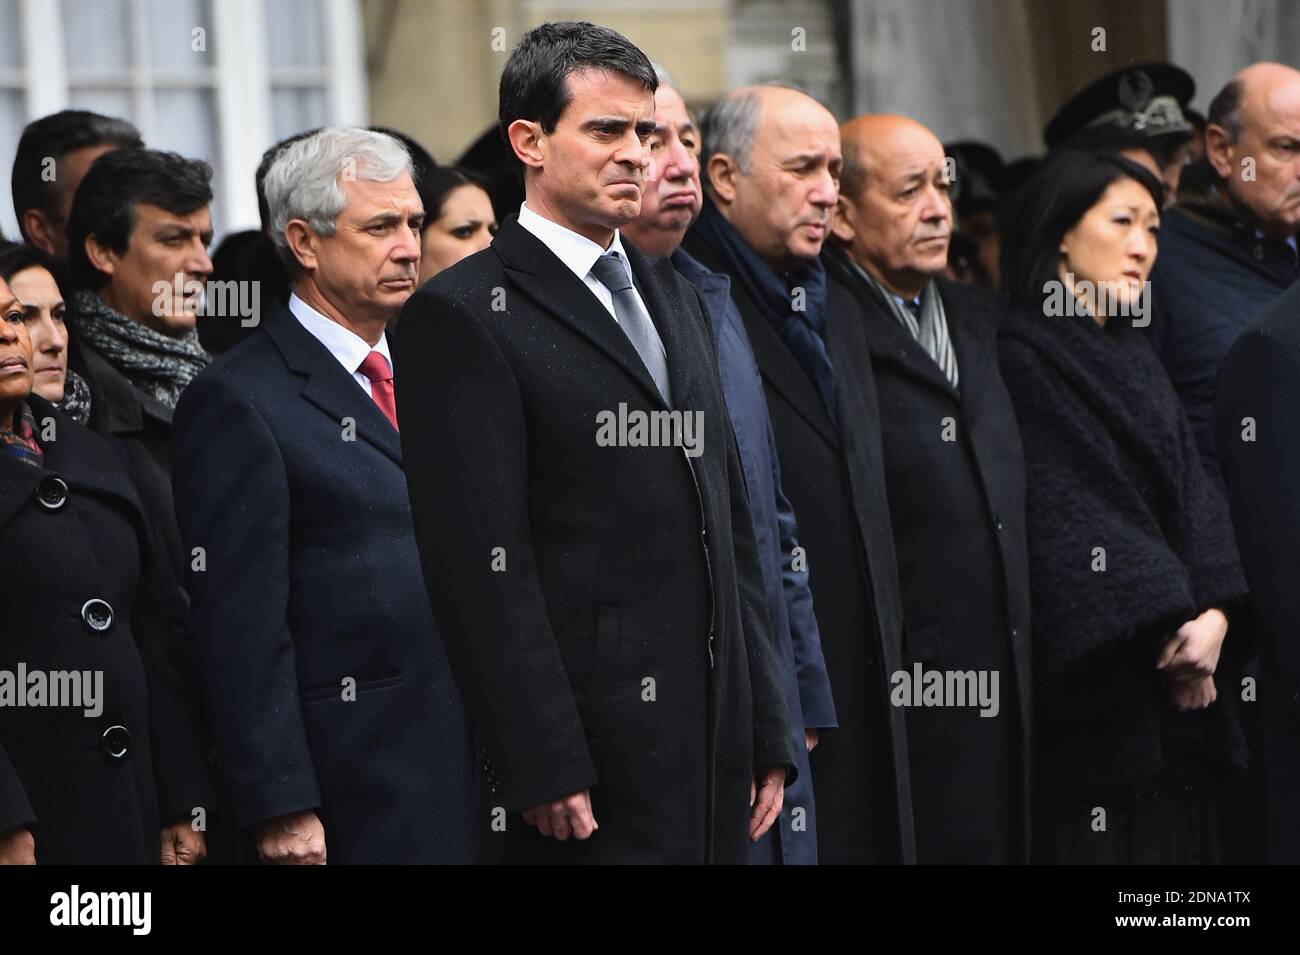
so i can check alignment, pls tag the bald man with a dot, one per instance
(955, 478)
(771, 164)
(1212, 280)
(1227, 254)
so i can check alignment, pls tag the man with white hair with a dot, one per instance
(338, 726)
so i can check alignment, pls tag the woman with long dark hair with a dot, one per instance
(1134, 571)
(458, 218)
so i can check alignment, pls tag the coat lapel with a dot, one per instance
(776, 364)
(540, 275)
(328, 386)
(655, 281)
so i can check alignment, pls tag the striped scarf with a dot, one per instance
(20, 441)
(928, 324)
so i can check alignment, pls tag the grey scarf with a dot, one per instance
(76, 398)
(929, 327)
(157, 364)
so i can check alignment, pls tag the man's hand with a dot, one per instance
(765, 800)
(1194, 650)
(17, 847)
(297, 838)
(810, 739)
(1194, 694)
(182, 844)
(570, 816)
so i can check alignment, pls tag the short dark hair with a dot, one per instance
(53, 137)
(438, 183)
(534, 84)
(1225, 108)
(1059, 193)
(117, 182)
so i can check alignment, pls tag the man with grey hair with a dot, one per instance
(336, 720)
(771, 168)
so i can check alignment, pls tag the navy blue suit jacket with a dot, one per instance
(323, 673)
(807, 686)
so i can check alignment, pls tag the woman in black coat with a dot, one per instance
(98, 749)
(1134, 572)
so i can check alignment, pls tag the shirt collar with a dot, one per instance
(576, 251)
(348, 347)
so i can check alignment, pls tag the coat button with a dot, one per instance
(97, 614)
(1015, 632)
(52, 493)
(998, 525)
(1258, 252)
(115, 744)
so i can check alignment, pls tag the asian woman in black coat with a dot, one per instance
(111, 769)
(1134, 572)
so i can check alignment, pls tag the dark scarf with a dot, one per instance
(1111, 463)
(157, 364)
(76, 398)
(20, 442)
(802, 331)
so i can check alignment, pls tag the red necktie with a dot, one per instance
(375, 367)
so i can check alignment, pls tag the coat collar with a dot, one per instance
(328, 386)
(80, 458)
(775, 362)
(541, 276)
(971, 328)
(117, 406)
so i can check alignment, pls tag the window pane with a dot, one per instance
(11, 35)
(96, 35)
(12, 119)
(295, 110)
(294, 30)
(110, 102)
(185, 121)
(172, 25)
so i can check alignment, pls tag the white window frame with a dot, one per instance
(241, 87)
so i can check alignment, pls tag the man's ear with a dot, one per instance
(101, 256)
(722, 173)
(39, 230)
(1219, 151)
(842, 222)
(528, 141)
(302, 243)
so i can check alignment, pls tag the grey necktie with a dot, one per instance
(612, 273)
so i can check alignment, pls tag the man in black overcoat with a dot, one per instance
(578, 499)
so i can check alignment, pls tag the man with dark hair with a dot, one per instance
(579, 503)
(1227, 254)
(138, 238)
(772, 161)
(53, 155)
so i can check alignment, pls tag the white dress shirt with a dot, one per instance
(349, 348)
(578, 253)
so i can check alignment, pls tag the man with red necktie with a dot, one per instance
(339, 731)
